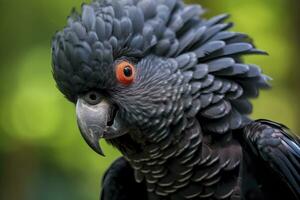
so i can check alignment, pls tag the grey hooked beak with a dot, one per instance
(93, 122)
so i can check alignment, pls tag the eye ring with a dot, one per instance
(125, 72)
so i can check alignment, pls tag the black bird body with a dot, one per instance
(182, 121)
(266, 168)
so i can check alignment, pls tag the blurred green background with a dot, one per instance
(42, 155)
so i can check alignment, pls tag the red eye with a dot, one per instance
(125, 72)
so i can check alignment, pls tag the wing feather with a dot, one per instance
(119, 184)
(279, 149)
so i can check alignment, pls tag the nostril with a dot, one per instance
(93, 97)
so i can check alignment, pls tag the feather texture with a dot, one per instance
(187, 107)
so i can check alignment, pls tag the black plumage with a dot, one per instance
(182, 125)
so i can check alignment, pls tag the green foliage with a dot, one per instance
(40, 146)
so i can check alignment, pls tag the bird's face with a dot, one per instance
(104, 61)
(144, 68)
(130, 94)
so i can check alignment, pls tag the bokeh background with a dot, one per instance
(42, 155)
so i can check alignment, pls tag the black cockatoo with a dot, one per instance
(169, 89)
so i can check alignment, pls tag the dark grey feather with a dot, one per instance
(189, 102)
